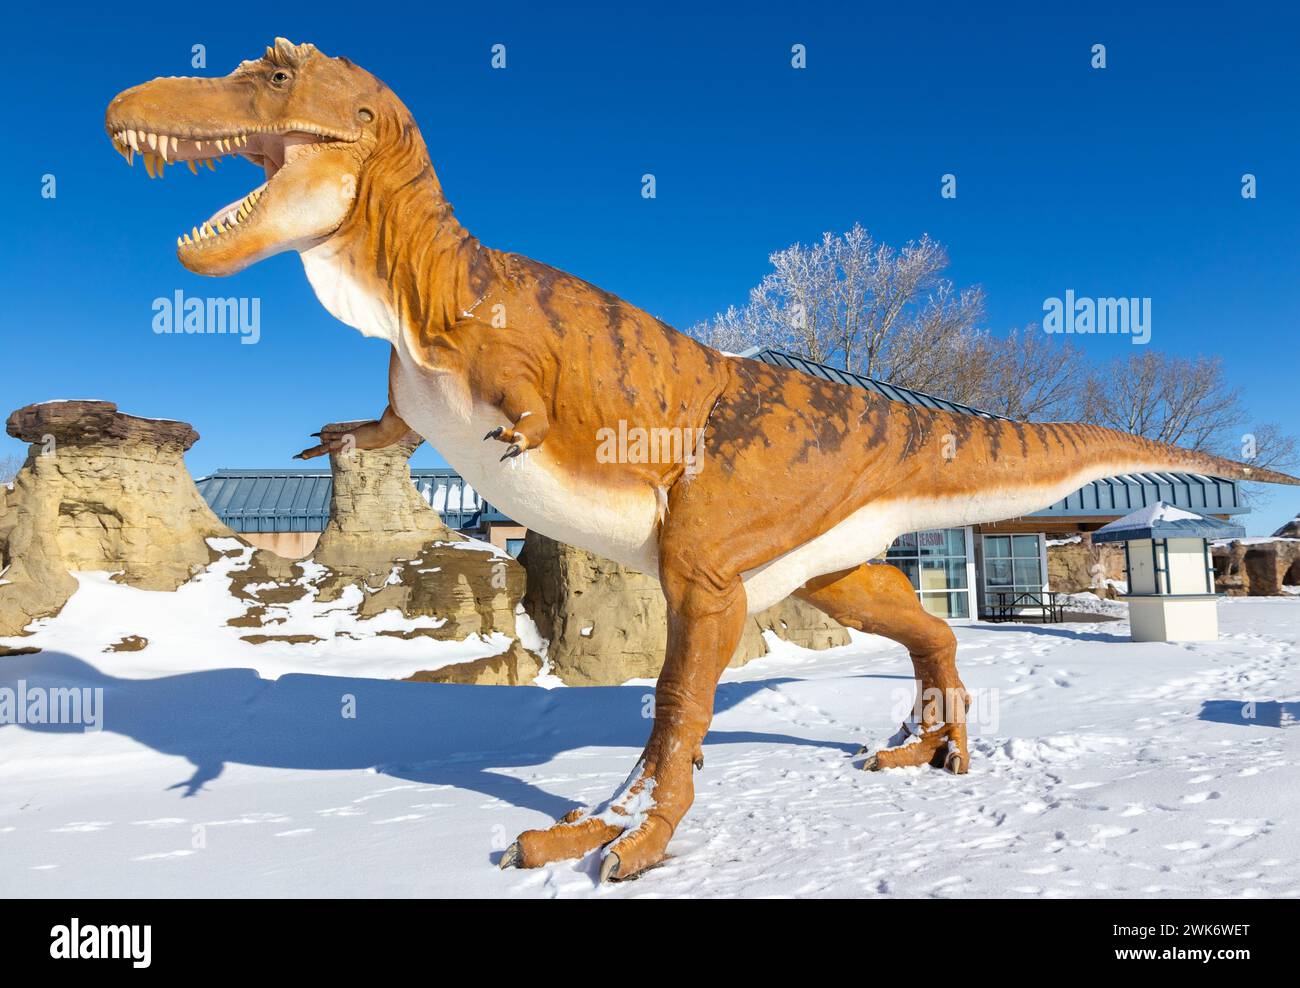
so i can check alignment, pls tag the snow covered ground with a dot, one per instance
(1106, 769)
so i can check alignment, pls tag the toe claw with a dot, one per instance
(872, 764)
(955, 763)
(512, 857)
(514, 450)
(609, 868)
(495, 433)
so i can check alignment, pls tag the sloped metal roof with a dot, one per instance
(1102, 498)
(299, 500)
(1165, 521)
(894, 392)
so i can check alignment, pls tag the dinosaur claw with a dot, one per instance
(494, 434)
(699, 763)
(955, 763)
(514, 450)
(316, 434)
(512, 857)
(609, 868)
(872, 764)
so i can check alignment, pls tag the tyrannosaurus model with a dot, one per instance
(512, 370)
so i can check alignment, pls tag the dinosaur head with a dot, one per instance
(313, 124)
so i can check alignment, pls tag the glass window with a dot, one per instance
(997, 546)
(935, 563)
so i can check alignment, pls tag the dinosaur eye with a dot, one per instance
(279, 78)
(365, 115)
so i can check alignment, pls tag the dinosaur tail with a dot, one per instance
(1066, 451)
(1118, 452)
(1021, 467)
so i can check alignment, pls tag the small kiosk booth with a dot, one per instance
(1170, 576)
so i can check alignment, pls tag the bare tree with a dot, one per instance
(1181, 400)
(1035, 377)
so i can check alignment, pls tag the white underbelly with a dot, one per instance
(612, 522)
(870, 530)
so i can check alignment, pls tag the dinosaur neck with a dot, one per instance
(399, 264)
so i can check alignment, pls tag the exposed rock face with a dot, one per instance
(1073, 567)
(101, 490)
(383, 536)
(1257, 568)
(607, 624)
(385, 549)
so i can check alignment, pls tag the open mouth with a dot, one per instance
(270, 150)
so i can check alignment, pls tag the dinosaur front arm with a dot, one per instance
(523, 407)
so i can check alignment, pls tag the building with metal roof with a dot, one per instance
(262, 504)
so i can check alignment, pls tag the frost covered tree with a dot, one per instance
(852, 302)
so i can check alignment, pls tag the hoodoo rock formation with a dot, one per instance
(607, 624)
(385, 549)
(100, 490)
(384, 536)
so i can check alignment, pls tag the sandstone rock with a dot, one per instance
(1257, 568)
(383, 537)
(385, 549)
(1073, 567)
(100, 490)
(607, 624)
(514, 667)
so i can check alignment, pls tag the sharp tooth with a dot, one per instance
(175, 144)
(131, 139)
(207, 230)
(153, 141)
(193, 169)
(148, 164)
(130, 157)
(194, 232)
(178, 241)
(162, 147)
(209, 163)
(187, 238)
(198, 145)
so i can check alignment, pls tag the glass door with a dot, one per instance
(1012, 564)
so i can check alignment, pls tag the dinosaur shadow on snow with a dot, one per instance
(463, 736)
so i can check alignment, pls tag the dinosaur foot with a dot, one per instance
(629, 828)
(941, 745)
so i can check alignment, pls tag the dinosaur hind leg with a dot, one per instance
(706, 615)
(879, 599)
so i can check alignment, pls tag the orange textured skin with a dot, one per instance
(554, 361)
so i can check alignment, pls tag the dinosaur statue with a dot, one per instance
(516, 372)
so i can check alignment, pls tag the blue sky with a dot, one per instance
(1123, 181)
